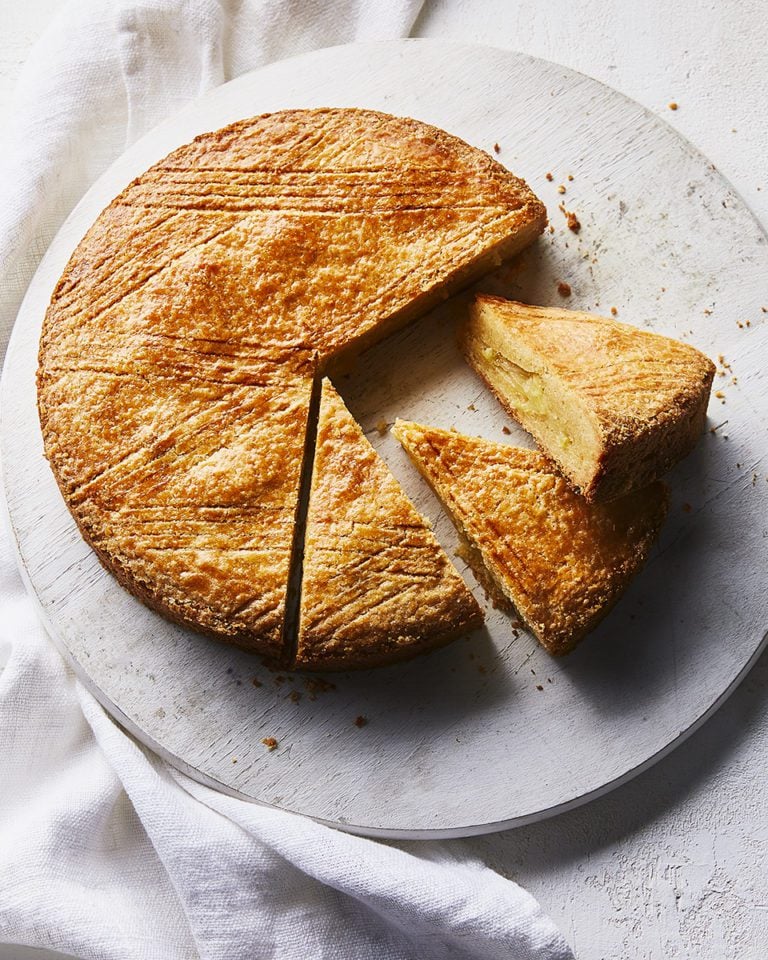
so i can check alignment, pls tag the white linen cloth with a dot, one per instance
(105, 851)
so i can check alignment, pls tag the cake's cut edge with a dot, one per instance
(613, 406)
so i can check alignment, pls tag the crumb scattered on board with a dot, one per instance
(506, 430)
(614, 312)
(549, 177)
(361, 721)
(564, 289)
(270, 743)
(382, 426)
(572, 221)
(561, 188)
(672, 105)
(496, 148)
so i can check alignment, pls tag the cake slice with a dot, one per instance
(614, 406)
(561, 561)
(377, 587)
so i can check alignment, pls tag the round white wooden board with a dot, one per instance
(490, 732)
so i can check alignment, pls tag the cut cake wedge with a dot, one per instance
(561, 561)
(377, 587)
(614, 406)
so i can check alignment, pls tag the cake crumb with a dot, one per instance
(672, 105)
(539, 686)
(270, 743)
(719, 394)
(496, 148)
(361, 721)
(564, 289)
(549, 177)
(572, 221)
(256, 682)
(234, 759)
(506, 430)
(472, 407)
(570, 176)
(294, 696)
(561, 188)
(382, 426)
(614, 312)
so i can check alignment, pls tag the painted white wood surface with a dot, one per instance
(492, 731)
(672, 864)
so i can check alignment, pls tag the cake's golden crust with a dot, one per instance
(179, 345)
(643, 396)
(561, 561)
(377, 586)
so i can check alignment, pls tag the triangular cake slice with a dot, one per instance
(561, 561)
(612, 405)
(377, 587)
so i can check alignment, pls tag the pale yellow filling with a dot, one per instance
(542, 408)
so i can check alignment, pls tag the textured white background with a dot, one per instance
(675, 864)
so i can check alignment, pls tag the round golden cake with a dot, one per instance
(181, 344)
